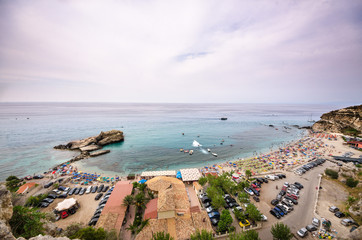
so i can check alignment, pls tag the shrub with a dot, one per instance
(26, 222)
(333, 174)
(203, 181)
(34, 201)
(281, 231)
(161, 236)
(351, 182)
(90, 233)
(12, 183)
(202, 235)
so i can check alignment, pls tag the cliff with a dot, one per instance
(85, 146)
(346, 120)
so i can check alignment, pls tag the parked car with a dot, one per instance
(99, 195)
(61, 188)
(209, 209)
(311, 228)
(339, 214)
(93, 221)
(205, 199)
(302, 232)
(52, 196)
(48, 184)
(214, 214)
(255, 191)
(100, 188)
(347, 222)
(274, 202)
(71, 192)
(238, 208)
(28, 177)
(244, 223)
(249, 191)
(76, 192)
(43, 204)
(82, 191)
(94, 189)
(57, 191)
(63, 195)
(333, 209)
(295, 202)
(208, 204)
(281, 213)
(89, 189)
(263, 218)
(315, 222)
(256, 199)
(214, 221)
(38, 176)
(48, 200)
(265, 180)
(274, 213)
(105, 189)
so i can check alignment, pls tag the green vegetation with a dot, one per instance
(244, 197)
(161, 236)
(26, 222)
(331, 173)
(13, 183)
(350, 131)
(128, 200)
(253, 212)
(281, 232)
(56, 185)
(34, 201)
(248, 235)
(203, 235)
(90, 233)
(203, 181)
(248, 174)
(351, 182)
(225, 221)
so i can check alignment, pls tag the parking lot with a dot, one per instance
(302, 214)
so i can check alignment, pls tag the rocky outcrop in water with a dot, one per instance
(346, 120)
(87, 145)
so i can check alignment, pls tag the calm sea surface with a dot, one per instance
(153, 133)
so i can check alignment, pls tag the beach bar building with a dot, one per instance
(190, 174)
(151, 174)
(355, 144)
(114, 212)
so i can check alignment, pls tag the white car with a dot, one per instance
(302, 232)
(248, 191)
(315, 222)
(237, 208)
(57, 191)
(88, 189)
(264, 218)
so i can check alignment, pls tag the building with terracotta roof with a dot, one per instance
(114, 212)
(174, 214)
(151, 209)
(23, 189)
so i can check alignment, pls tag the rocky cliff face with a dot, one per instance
(85, 146)
(6, 212)
(345, 120)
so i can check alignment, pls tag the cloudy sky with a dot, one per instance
(181, 51)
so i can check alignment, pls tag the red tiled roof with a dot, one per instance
(25, 187)
(151, 209)
(114, 212)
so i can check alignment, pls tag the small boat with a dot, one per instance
(196, 144)
(181, 149)
(221, 143)
(191, 152)
(224, 118)
(208, 150)
(186, 151)
(214, 154)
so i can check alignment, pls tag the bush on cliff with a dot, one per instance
(351, 182)
(34, 201)
(13, 183)
(26, 222)
(331, 173)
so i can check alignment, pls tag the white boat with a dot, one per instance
(196, 144)
(214, 154)
(191, 152)
(208, 150)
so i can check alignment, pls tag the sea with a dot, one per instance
(154, 134)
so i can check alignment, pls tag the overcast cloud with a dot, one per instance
(181, 51)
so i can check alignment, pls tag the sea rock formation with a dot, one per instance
(87, 145)
(341, 121)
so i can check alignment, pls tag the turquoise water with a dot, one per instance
(153, 133)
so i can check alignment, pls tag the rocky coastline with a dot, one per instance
(346, 120)
(90, 147)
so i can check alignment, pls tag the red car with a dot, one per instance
(64, 214)
(292, 196)
(255, 187)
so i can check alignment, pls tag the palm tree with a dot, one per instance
(161, 236)
(203, 235)
(128, 200)
(133, 228)
(281, 231)
(140, 200)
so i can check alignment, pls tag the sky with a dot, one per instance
(181, 51)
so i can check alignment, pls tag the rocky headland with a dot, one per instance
(88, 145)
(346, 120)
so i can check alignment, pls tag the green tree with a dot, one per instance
(281, 231)
(34, 201)
(161, 236)
(142, 187)
(202, 181)
(248, 235)
(244, 197)
(248, 173)
(253, 212)
(238, 214)
(13, 183)
(135, 184)
(202, 235)
(26, 222)
(225, 221)
(140, 200)
(351, 182)
(128, 200)
(90, 233)
(218, 201)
